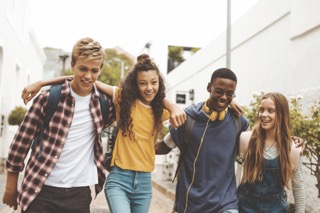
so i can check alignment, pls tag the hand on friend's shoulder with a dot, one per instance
(30, 91)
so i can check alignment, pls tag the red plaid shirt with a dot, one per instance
(54, 137)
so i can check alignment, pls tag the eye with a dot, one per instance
(155, 82)
(271, 111)
(230, 94)
(219, 92)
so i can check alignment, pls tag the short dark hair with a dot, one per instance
(224, 73)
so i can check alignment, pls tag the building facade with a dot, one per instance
(274, 47)
(21, 62)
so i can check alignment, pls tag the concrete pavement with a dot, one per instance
(162, 198)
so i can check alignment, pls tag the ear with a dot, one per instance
(209, 87)
(72, 64)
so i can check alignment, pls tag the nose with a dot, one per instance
(88, 75)
(149, 87)
(263, 113)
(224, 96)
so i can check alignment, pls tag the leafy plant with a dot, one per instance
(308, 127)
(16, 116)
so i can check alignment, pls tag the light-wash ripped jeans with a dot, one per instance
(128, 191)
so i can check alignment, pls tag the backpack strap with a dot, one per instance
(237, 122)
(186, 135)
(53, 102)
(295, 155)
(104, 105)
(51, 107)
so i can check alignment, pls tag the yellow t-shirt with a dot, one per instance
(138, 155)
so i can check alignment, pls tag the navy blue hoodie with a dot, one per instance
(206, 181)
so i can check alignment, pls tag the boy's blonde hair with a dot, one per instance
(87, 48)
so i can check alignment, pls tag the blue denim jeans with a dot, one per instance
(128, 191)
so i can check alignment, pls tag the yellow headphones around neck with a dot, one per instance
(213, 115)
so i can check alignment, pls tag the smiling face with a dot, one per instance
(148, 85)
(86, 73)
(221, 93)
(267, 114)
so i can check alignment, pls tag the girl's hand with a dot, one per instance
(177, 116)
(236, 108)
(30, 91)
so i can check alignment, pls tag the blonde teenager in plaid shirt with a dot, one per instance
(71, 159)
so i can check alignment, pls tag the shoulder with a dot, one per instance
(244, 142)
(245, 136)
(242, 120)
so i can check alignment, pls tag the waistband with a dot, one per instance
(116, 169)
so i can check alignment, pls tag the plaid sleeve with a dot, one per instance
(23, 138)
(112, 113)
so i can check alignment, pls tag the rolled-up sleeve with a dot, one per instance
(23, 138)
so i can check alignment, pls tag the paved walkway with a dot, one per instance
(162, 198)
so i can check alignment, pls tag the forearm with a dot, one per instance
(177, 114)
(105, 88)
(12, 181)
(161, 148)
(298, 189)
(167, 105)
(56, 80)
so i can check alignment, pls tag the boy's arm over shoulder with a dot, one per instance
(245, 124)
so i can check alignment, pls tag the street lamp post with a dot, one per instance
(228, 38)
(122, 66)
(63, 58)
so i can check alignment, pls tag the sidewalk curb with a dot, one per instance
(168, 192)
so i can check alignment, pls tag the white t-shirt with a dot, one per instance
(76, 166)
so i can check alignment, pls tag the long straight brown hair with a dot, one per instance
(253, 158)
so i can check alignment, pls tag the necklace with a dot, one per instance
(271, 146)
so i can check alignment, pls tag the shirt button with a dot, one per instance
(36, 191)
(56, 156)
(45, 175)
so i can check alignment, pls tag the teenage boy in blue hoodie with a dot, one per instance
(206, 180)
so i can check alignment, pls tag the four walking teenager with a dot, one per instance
(206, 180)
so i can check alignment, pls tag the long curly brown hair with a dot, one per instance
(130, 93)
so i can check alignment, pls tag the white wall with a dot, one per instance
(275, 47)
(21, 60)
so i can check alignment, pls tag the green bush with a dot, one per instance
(16, 116)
